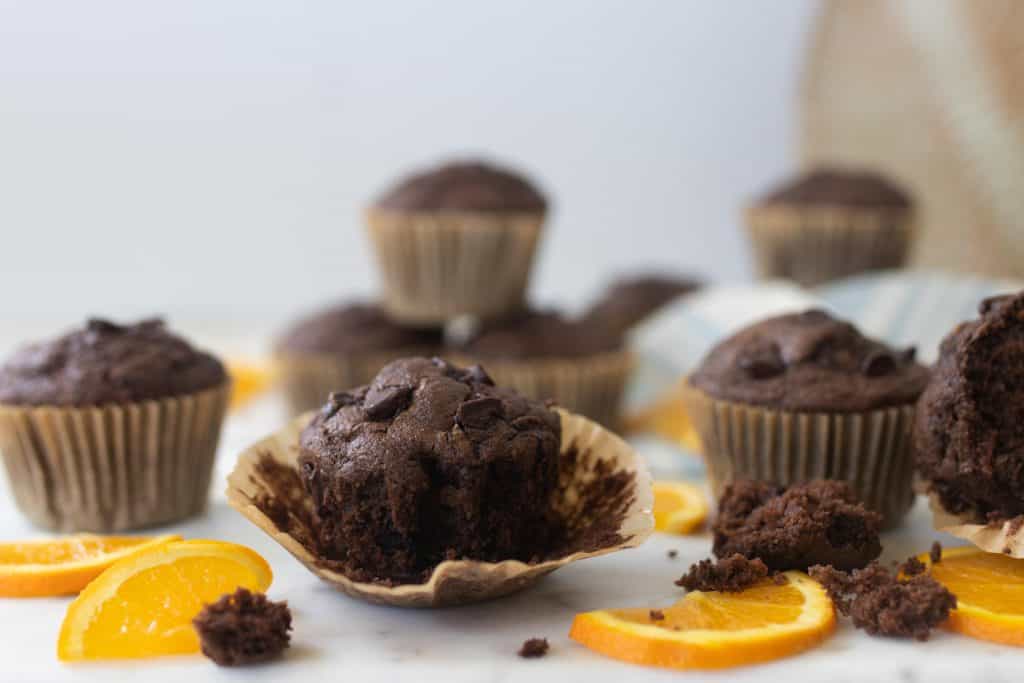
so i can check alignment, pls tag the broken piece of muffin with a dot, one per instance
(243, 628)
(883, 603)
(730, 574)
(817, 522)
(533, 648)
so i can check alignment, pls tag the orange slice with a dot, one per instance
(249, 379)
(64, 566)
(679, 507)
(143, 606)
(715, 630)
(665, 417)
(989, 592)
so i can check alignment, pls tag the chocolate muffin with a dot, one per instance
(456, 240)
(831, 223)
(969, 430)
(111, 427)
(576, 363)
(430, 462)
(823, 401)
(629, 300)
(344, 346)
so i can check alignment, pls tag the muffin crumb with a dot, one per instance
(243, 628)
(657, 615)
(730, 575)
(672, 554)
(912, 567)
(534, 648)
(935, 554)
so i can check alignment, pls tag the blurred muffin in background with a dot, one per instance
(456, 240)
(581, 366)
(341, 347)
(627, 301)
(831, 223)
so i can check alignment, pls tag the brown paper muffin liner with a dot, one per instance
(814, 244)
(308, 378)
(604, 495)
(113, 467)
(1006, 538)
(871, 450)
(439, 265)
(592, 386)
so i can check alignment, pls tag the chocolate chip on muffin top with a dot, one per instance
(104, 362)
(464, 186)
(811, 362)
(540, 334)
(353, 328)
(833, 186)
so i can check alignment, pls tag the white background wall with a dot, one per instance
(209, 160)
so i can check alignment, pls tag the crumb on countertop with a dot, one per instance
(533, 648)
(731, 574)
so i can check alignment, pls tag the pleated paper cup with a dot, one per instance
(112, 467)
(1003, 537)
(870, 450)
(604, 495)
(437, 265)
(592, 386)
(815, 244)
(308, 378)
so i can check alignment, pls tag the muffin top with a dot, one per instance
(969, 426)
(808, 362)
(108, 363)
(627, 301)
(355, 327)
(833, 186)
(464, 186)
(540, 334)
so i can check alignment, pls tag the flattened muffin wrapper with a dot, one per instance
(814, 244)
(589, 453)
(438, 265)
(871, 450)
(113, 467)
(1006, 538)
(592, 386)
(308, 378)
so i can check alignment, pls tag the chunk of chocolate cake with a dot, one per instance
(818, 522)
(243, 628)
(430, 462)
(729, 575)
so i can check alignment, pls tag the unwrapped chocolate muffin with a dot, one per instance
(455, 240)
(111, 427)
(344, 346)
(805, 396)
(831, 223)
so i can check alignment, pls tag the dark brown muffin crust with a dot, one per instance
(730, 574)
(818, 522)
(540, 334)
(969, 426)
(464, 186)
(355, 328)
(627, 301)
(430, 462)
(104, 363)
(809, 362)
(839, 187)
(243, 628)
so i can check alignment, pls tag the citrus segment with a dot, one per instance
(679, 507)
(249, 379)
(714, 630)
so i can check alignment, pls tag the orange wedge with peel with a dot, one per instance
(64, 566)
(143, 605)
(715, 630)
(989, 590)
(249, 380)
(679, 507)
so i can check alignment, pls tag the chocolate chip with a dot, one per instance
(763, 363)
(476, 373)
(337, 400)
(878, 363)
(385, 402)
(479, 413)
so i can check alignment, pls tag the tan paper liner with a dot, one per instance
(814, 244)
(871, 450)
(597, 452)
(1006, 538)
(592, 386)
(439, 265)
(308, 378)
(113, 467)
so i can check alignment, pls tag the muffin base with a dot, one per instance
(114, 467)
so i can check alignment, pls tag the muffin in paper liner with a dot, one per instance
(308, 378)
(436, 265)
(604, 494)
(592, 386)
(870, 450)
(1005, 537)
(815, 244)
(113, 467)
